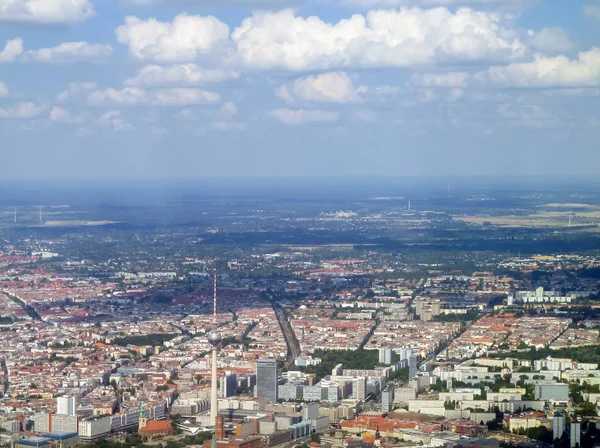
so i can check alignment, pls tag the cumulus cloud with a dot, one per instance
(334, 87)
(179, 75)
(133, 96)
(112, 119)
(384, 38)
(3, 89)
(302, 116)
(592, 11)
(266, 4)
(229, 109)
(186, 38)
(75, 91)
(70, 52)
(45, 11)
(22, 110)
(547, 72)
(440, 80)
(12, 50)
(508, 4)
(551, 40)
(59, 114)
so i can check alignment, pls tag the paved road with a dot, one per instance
(290, 338)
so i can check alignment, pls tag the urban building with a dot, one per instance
(412, 366)
(575, 434)
(558, 425)
(267, 379)
(385, 355)
(387, 398)
(228, 385)
(66, 405)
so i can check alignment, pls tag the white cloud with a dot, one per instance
(59, 114)
(427, 95)
(45, 11)
(112, 119)
(12, 50)
(75, 91)
(69, 52)
(228, 109)
(301, 116)
(382, 38)
(180, 75)
(262, 4)
(507, 4)
(334, 87)
(547, 72)
(186, 38)
(551, 40)
(455, 95)
(402, 38)
(133, 96)
(442, 80)
(3, 89)
(22, 110)
(592, 11)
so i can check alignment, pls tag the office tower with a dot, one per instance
(66, 405)
(337, 370)
(385, 355)
(266, 379)
(359, 388)
(228, 385)
(387, 398)
(412, 366)
(310, 411)
(575, 434)
(558, 425)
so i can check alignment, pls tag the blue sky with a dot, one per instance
(245, 88)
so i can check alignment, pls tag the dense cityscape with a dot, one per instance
(301, 325)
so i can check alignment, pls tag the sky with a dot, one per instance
(167, 89)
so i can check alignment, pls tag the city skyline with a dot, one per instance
(146, 89)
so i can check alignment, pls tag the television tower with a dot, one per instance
(214, 338)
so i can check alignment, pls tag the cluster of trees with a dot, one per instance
(468, 316)
(588, 353)
(149, 339)
(351, 359)
(135, 440)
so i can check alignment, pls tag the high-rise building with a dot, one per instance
(385, 355)
(228, 385)
(412, 366)
(337, 370)
(66, 405)
(310, 411)
(387, 398)
(575, 434)
(558, 425)
(359, 388)
(266, 379)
